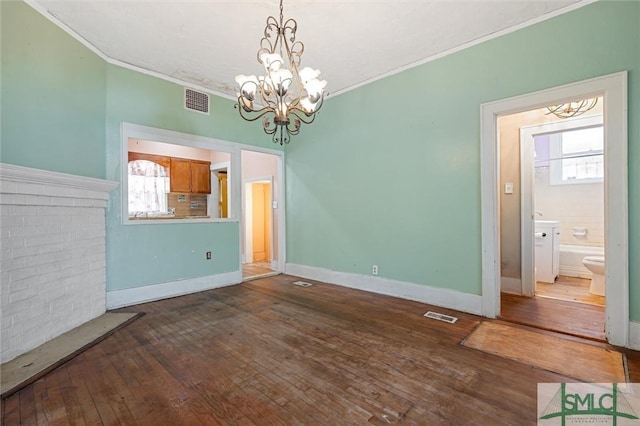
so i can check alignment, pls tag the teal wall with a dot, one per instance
(389, 174)
(53, 96)
(62, 107)
(139, 255)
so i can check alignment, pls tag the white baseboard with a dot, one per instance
(149, 293)
(511, 285)
(634, 335)
(445, 298)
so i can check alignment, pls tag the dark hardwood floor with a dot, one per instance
(269, 352)
(577, 319)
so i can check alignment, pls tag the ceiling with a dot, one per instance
(207, 43)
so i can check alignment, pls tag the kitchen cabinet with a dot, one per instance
(200, 177)
(190, 176)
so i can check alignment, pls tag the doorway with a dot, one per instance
(562, 206)
(555, 214)
(262, 242)
(258, 227)
(613, 88)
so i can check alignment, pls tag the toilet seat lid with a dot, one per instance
(595, 259)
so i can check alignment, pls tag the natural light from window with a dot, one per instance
(582, 154)
(148, 187)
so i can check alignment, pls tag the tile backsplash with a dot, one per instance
(186, 204)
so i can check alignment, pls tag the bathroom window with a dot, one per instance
(577, 156)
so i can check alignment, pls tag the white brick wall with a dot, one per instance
(52, 245)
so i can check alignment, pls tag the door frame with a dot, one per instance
(613, 88)
(216, 167)
(527, 189)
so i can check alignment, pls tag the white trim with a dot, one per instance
(149, 293)
(442, 297)
(634, 335)
(527, 190)
(527, 200)
(614, 89)
(20, 174)
(472, 43)
(511, 285)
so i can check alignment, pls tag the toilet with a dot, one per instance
(595, 264)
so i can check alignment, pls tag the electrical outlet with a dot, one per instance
(208, 255)
(374, 270)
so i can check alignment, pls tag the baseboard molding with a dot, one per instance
(445, 298)
(511, 285)
(634, 335)
(149, 293)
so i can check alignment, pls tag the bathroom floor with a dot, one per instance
(571, 289)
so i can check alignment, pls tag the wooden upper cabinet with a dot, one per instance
(180, 177)
(190, 176)
(200, 177)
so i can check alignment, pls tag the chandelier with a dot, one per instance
(572, 109)
(284, 97)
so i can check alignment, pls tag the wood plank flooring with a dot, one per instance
(571, 289)
(269, 352)
(577, 319)
(255, 269)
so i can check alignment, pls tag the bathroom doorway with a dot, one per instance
(562, 207)
(495, 202)
(540, 154)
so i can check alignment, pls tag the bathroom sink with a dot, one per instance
(547, 223)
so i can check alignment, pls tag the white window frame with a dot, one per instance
(556, 156)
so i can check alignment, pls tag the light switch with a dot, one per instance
(274, 204)
(508, 188)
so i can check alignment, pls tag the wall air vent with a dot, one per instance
(196, 101)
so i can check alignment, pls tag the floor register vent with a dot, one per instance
(441, 317)
(302, 284)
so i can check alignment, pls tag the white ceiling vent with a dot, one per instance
(196, 101)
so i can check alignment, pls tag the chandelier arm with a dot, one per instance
(303, 116)
(245, 114)
(572, 108)
(280, 137)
